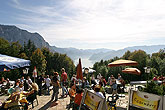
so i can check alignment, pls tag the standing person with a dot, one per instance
(63, 82)
(39, 82)
(56, 86)
(47, 82)
(29, 82)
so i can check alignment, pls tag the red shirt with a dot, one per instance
(77, 99)
(64, 76)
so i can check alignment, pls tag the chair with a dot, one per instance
(32, 97)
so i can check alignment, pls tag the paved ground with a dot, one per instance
(46, 104)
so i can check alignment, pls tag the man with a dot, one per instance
(47, 82)
(56, 85)
(63, 82)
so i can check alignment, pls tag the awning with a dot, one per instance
(8, 62)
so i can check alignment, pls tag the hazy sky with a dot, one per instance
(85, 24)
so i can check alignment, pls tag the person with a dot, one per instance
(97, 91)
(31, 95)
(48, 81)
(85, 83)
(20, 87)
(114, 86)
(22, 80)
(104, 82)
(121, 80)
(110, 80)
(99, 76)
(13, 99)
(78, 97)
(161, 78)
(102, 89)
(155, 78)
(72, 92)
(56, 86)
(63, 83)
(17, 83)
(29, 82)
(39, 82)
(73, 79)
(93, 80)
(8, 83)
(2, 80)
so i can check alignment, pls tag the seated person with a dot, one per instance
(8, 83)
(85, 83)
(2, 80)
(13, 99)
(72, 92)
(102, 89)
(78, 97)
(114, 86)
(97, 91)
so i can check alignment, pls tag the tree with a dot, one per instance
(23, 55)
(15, 48)
(4, 46)
(162, 67)
(29, 48)
(126, 55)
(141, 57)
(38, 60)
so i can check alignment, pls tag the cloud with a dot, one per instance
(96, 21)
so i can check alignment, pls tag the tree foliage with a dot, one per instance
(45, 61)
(156, 62)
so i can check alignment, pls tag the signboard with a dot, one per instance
(145, 100)
(92, 101)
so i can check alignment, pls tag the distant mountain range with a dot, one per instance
(111, 54)
(13, 34)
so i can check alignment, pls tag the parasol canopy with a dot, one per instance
(8, 62)
(122, 63)
(79, 70)
(132, 71)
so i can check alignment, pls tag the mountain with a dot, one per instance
(111, 54)
(74, 53)
(13, 34)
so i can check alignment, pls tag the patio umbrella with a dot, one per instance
(132, 71)
(122, 63)
(79, 71)
(8, 62)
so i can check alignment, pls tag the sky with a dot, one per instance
(89, 24)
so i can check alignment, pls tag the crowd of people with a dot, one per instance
(27, 87)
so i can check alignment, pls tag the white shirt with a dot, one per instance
(47, 81)
(100, 94)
